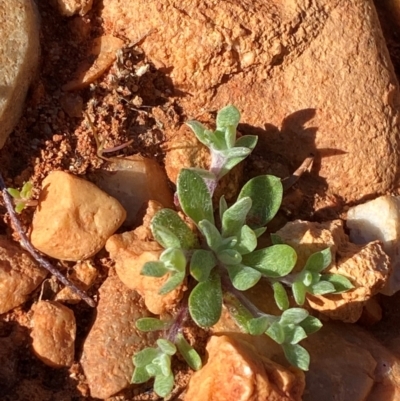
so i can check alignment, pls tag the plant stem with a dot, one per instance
(179, 320)
(32, 250)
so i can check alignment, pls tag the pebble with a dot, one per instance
(71, 7)
(19, 57)
(53, 334)
(19, 275)
(133, 181)
(113, 339)
(82, 217)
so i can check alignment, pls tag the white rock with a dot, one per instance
(19, 55)
(379, 219)
(71, 7)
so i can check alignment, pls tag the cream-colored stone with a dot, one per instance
(379, 219)
(74, 218)
(114, 339)
(53, 334)
(236, 371)
(71, 7)
(297, 72)
(134, 181)
(103, 50)
(19, 275)
(19, 57)
(367, 267)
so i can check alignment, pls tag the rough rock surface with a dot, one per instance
(235, 371)
(113, 339)
(71, 7)
(19, 57)
(379, 219)
(19, 275)
(133, 181)
(82, 217)
(130, 251)
(295, 69)
(366, 266)
(53, 334)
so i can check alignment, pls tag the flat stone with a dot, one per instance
(74, 218)
(19, 57)
(366, 266)
(379, 219)
(236, 371)
(133, 181)
(53, 334)
(113, 339)
(19, 275)
(297, 72)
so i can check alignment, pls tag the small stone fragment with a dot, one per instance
(19, 275)
(53, 334)
(104, 50)
(82, 217)
(83, 275)
(72, 104)
(114, 339)
(133, 181)
(236, 371)
(367, 267)
(379, 219)
(19, 56)
(71, 7)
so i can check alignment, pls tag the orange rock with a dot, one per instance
(236, 371)
(53, 334)
(367, 267)
(82, 217)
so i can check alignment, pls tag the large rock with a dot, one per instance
(297, 70)
(114, 339)
(74, 218)
(19, 275)
(19, 57)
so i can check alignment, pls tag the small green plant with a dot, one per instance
(22, 198)
(222, 261)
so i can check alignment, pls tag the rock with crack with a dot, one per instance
(236, 371)
(19, 275)
(295, 69)
(366, 266)
(130, 251)
(53, 334)
(19, 58)
(114, 339)
(74, 218)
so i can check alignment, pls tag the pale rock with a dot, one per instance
(185, 151)
(82, 217)
(133, 181)
(379, 219)
(297, 72)
(19, 57)
(19, 275)
(236, 371)
(114, 339)
(53, 334)
(83, 275)
(367, 267)
(71, 7)
(103, 50)
(130, 251)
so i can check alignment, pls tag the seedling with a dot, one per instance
(222, 260)
(22, 198)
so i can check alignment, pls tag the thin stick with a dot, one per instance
(292, 179)
(35, 254)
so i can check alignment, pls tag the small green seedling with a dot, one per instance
(223, 261)
(22, 198)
